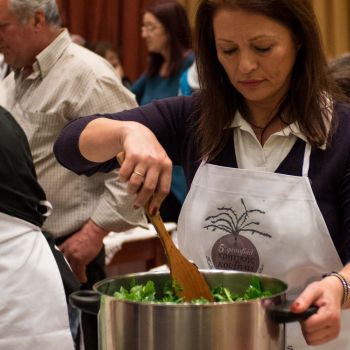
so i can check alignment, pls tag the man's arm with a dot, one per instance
(115, 208)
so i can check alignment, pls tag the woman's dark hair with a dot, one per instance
(311, 87)
(174, 18)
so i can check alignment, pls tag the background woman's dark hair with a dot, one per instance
(174, 18)
(307, 100)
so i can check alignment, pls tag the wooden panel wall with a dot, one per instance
(333, 16)
(120, 20)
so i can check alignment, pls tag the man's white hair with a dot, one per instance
(24, 9)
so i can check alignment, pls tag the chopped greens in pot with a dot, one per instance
(147, 292)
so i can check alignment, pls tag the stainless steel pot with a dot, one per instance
(249, 325)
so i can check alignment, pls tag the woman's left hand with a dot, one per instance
(325, 324)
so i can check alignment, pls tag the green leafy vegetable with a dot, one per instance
(171, 287)
(254, 291)
(147, 292)
(137, 292)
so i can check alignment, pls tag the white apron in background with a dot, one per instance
(254, 221)
(33, 308)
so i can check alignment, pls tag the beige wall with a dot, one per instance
(191, 7)
(333, 16)
(334, 19)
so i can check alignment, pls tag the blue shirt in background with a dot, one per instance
(148, 89)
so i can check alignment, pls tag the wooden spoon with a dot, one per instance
(186, 274)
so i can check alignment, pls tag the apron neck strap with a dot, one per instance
(306, 162)
(48, 207)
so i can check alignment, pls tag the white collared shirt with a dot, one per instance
(250, 154)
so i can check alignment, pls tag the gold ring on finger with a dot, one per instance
(138, 173)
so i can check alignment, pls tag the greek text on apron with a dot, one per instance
(33, 309)
(255, 221)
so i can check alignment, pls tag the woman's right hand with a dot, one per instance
(146, 166)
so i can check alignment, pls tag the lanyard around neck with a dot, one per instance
(306, 162)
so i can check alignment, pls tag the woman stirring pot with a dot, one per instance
(265, 148)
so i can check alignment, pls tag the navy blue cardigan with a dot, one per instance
(172, 121)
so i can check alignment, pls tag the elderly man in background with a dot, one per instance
(52, 81)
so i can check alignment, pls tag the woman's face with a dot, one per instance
(154, 33)
(257, 54)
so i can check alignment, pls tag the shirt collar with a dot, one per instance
(48, 57)
(292, 129)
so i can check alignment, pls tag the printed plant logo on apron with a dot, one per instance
(237, 218)
(234, 251)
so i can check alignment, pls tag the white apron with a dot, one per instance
(236, 219)
(33, 308)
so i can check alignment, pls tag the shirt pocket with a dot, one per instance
(42, 129)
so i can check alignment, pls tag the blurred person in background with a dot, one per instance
(340, 70)
(53, 81)
(108, 51)
(189, 82)
(167, 34)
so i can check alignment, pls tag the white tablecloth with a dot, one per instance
(114, 240)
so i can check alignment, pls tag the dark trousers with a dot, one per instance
(95, 272)
(70, 282)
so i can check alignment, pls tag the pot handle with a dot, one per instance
(281, 313)
(86, 300)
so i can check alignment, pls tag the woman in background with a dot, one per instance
(189, 81)
(167, 34)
